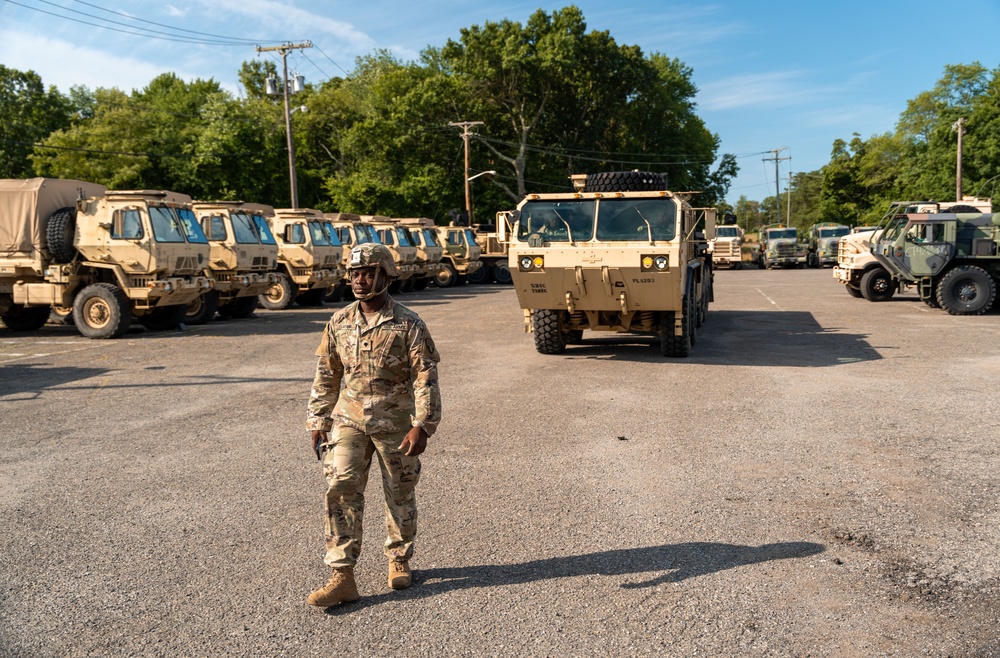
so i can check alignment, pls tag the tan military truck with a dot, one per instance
(397, 240)
(351, 230)
(243, 257)
(429, 249)
(493, 253)
(308, 264)
(461, 255)
(727, 247)
(110, 256)
(623, 254)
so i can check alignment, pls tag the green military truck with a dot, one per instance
(110, 256)
(824, 239)
(779, 246)
(951, 252)
(623, 254)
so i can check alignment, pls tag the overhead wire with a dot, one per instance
(150, 34)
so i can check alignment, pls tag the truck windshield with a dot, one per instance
(782, 234)
(621, 220)
(189, 224)
(726, 232)
(243, 229)
(553, 221)
(372, 234)
(893, 230)
(470, 237)
(838, 232)
(404, 237)
(318, 234)
(266, 237)
(166, 224)
(361, 234)
(430, 237)
(331, 234)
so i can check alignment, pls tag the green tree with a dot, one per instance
(28, 114)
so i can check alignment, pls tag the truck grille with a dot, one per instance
(260, 263)
(186, 265)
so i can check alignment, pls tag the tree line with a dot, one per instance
(916, 161)
(554, 99)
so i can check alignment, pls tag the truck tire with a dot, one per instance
(202, 309)
(966, 290)
(854, 292)
(549, 337)
(446, 276)
(59, 235)
(421, 283)
(877, 285)
(164, 318)
(25, 318)
(501, 272)
(481, 275)
(334, 294)
(280, 295)
(625, 181)
(101, 310)
(61, 316)
(239, 308)
(671, 345)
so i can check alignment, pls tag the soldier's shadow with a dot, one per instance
(669, 563)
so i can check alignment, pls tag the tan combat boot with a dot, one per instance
(399, 574)
(341, 588)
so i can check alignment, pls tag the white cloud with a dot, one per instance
(777, 89)
(173, 11)
(65, 64)
(297, 21)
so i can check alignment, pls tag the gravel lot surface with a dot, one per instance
(819, 478)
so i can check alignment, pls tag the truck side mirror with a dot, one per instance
(105, 225)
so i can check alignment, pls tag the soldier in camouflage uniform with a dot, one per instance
(388, 406)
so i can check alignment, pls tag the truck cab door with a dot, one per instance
(924, 247)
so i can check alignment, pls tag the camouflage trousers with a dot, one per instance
(345, 466)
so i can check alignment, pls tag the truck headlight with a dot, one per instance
(527, 263)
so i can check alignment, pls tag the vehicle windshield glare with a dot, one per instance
(331, 234)
(166, 224)
(263, 230)
(893, 230)
(726, 232)
(834, 232)
(189, 224)
(430, 237)
(318, 234)
(243, 229)
(373, 235)
(635, 219)
(553, 221)
(404, 237)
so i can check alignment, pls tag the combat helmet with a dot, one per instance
(372, 254)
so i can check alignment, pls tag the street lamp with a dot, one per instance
(468, 195)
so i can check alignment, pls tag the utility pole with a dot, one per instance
(465, 125)
(284, 48)
(777, 189)
(959, 127)
(789, 192)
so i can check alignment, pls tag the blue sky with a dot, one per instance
(770, 74)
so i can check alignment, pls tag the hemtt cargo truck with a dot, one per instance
(951, 254)
(111, 256)
(623, 254)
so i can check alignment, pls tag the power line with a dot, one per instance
(171, 27)
(148, 34)
(331, 61)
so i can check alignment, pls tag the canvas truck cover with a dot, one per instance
(27, 204)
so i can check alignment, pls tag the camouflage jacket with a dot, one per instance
(388, 370)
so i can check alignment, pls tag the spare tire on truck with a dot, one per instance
(59, 235)
(625, 181)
